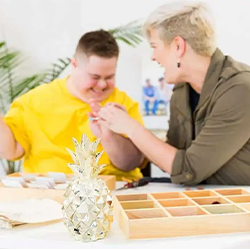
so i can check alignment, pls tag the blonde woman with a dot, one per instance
(209, 128)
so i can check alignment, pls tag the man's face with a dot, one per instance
(148, 83)
(162, 83)
(94, 77)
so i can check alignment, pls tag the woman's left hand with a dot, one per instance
(115, 117)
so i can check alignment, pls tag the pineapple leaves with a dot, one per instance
(95, 145)
(75, 168)
(85, 145)
(73, 155)
(85, 157)
(98, 156)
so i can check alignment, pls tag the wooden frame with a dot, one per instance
(174, 214)
(15, 194)
(109, 179)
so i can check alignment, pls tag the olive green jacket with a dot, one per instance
(220, 153)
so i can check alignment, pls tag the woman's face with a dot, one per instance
(166, 56)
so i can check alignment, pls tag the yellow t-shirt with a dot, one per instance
(45, 119)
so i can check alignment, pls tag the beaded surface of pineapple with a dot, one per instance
(87, 207)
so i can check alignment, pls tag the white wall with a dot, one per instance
(45, 30)
(2, 173)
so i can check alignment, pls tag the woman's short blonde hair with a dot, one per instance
(191, 21)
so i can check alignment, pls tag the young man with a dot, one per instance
(41, 124)
(149, 94)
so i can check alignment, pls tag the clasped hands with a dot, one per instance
(111, 117)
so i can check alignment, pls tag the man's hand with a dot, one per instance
(116, 119)
(112, 142)
(97, 129)
(10, 149)
(94, 126)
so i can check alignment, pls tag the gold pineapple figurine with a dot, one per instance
(87, 208)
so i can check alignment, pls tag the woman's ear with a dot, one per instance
(180, 45)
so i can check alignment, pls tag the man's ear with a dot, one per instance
(73, 62)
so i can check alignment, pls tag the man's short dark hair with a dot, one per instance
(100, 43)
(161, 79)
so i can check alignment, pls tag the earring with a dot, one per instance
(178, 65)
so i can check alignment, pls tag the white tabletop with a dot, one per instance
(56, 235)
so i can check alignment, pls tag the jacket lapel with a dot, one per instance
(211, 79)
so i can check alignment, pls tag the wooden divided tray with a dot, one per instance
(187, 213)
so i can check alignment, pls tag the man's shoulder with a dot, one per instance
(42, 92)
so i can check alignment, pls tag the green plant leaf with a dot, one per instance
(56, 70)
(27, 84)
(130, 33)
